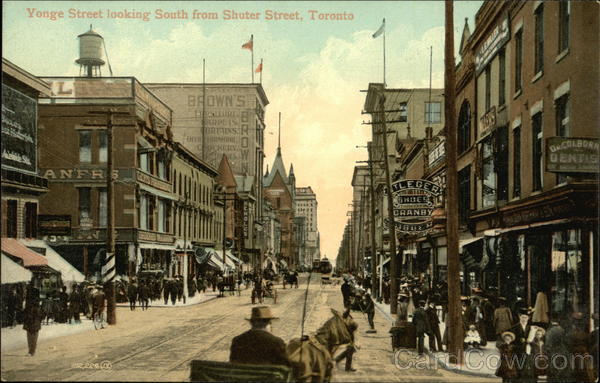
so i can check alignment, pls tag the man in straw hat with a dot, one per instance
(258, 345)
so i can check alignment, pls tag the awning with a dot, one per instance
(67, 271)
(156, 192)
(228, 259)
(30, 258)
(13, 272)
(234, 258)
(464, 242)
(156, 246)
(537, 224)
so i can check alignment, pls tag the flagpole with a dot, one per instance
(261, 70)
(384, 84)
(252, 57)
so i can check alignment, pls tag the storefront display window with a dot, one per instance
(569, 272)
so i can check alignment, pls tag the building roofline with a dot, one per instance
(258, 87)
(191, 156)
(25, 77)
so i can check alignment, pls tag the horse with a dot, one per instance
(312, 356)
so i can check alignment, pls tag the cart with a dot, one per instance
(209, 371)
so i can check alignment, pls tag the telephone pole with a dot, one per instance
(454, 326)
(372, 225)
(109, 267)
(392, 225)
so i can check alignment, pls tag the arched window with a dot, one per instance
(464, 127)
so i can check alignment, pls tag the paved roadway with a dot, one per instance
(158, 344)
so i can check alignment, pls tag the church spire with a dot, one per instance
(279, 135)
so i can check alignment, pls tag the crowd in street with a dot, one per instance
(531, 342)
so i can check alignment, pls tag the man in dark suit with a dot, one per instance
(434, 325)
(422, 326)
(258, 345)
(521, 331)
(475, 317)
(346, 292)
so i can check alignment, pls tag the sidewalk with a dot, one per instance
(196, 299)
(480, 363)
(16, 337)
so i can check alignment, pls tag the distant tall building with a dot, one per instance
(306, 206)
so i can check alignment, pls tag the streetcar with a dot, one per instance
(325, 268)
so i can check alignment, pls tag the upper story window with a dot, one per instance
(518, 60)
(433, 112)
(562, 125)
(537, 139)
(85, 146)
(102, 146)
(102, 207)
(502, 77)
(564, 14)
(488, 88)
(517, 162)
(403, 112)
(84, 204)
(539, 39)
(464, 127)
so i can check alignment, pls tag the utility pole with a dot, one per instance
(454, 326)
(392, 226)
(109, 267)
(185, 234)
(372, 224)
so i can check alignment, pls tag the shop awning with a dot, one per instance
(67, 271)
(156, 246)
(463, 243)
(30, 258)
(156, 192)
(13, 272)
(228, 260)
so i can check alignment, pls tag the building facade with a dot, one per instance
(307, 207)
(73, 156)
(22, 185)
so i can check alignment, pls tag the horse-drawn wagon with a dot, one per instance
(263, 290)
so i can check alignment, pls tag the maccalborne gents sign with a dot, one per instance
(413, 205)
(572, 155)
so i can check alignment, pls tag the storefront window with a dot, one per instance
(569, 272)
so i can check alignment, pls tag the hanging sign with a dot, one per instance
(414, 204)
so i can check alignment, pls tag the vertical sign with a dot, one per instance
(19, 130)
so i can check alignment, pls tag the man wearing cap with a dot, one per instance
(258, 345)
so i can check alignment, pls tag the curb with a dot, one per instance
(440, 362)
(458, 370)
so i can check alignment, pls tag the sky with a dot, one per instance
(314, 68)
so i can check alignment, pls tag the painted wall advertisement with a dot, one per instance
(19, 130)
(572, 155)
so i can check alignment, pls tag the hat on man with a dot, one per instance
(508, 334)
(524, 311)
(261, 313)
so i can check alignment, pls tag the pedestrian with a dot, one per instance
(47, 305)
(488, 319)
(144, 295)
(507, 369)
(369, 308)
(75, 304)
(422, 326)
(556, 350)
(475, 317)
(577, 344)
(258, 345)
(32, 322)
(173, 290)
(132, 292)
(179, 281)
(540, 311)
(11, 307)
(351, 348)
(521, 331)
(346, 292)
(538, 353)
(63, 305)
(502, 317)
(166, 287)
(434, 325)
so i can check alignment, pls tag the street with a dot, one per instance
(160, 343)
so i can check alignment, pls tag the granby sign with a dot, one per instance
(413, 205)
